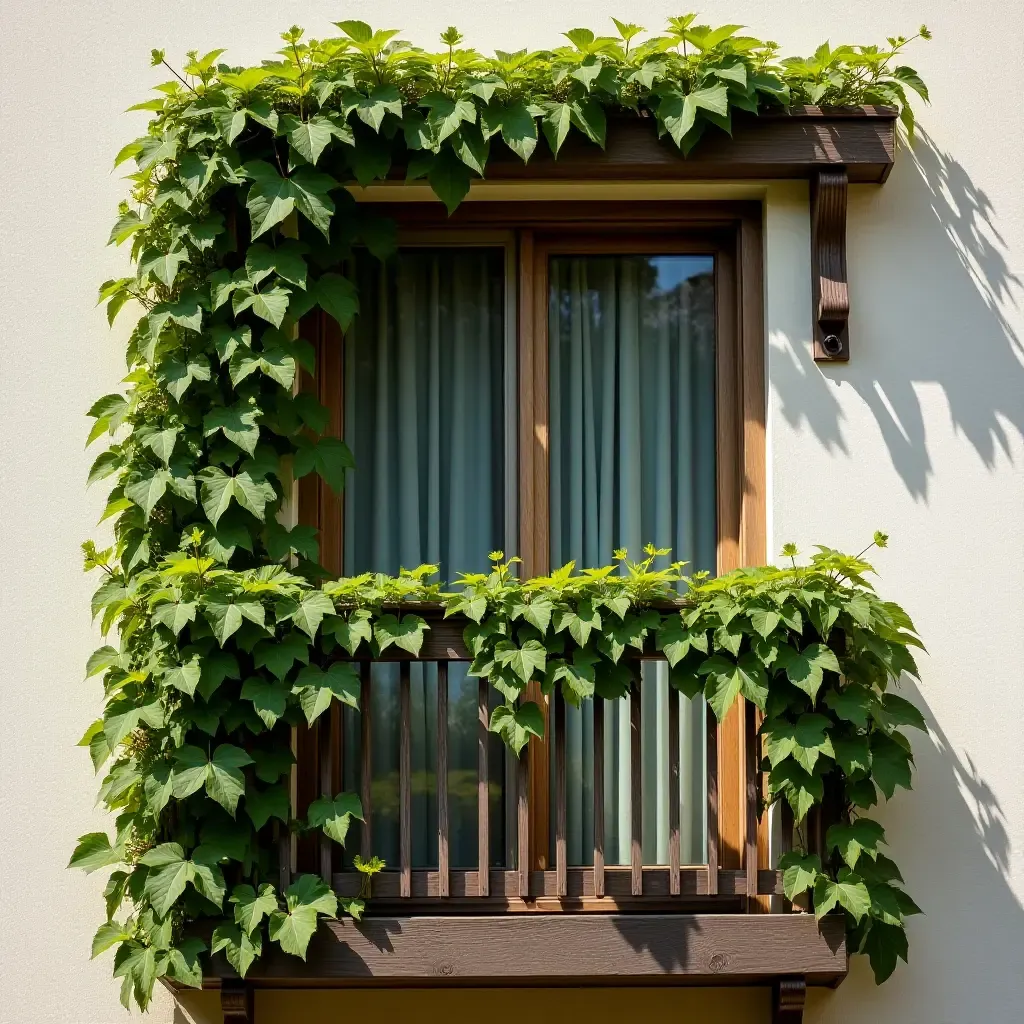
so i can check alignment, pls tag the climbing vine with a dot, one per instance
(227, 635)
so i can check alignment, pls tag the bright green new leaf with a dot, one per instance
(94, 851)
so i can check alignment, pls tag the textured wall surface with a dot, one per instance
(920, 435)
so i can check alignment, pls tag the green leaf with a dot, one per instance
(252, 906)
(262, 805)
(308, 138)
(271, 198)
(801, 789)
(353, 630)
(449, 178)
(525, 662)
(407, 634)
(850, 893)
(337, 296)
(240, 948)
(219, 490)
(185, 677)
(94, 851)
(884, 945)
(268, 699)
(306, 897)
(329, 457)
(109, 934)
(335, 816)
(805, 669)
(805, 740)
(225, 782)
(169, 873)
(726, 680)
(278, 656)
(163, 265)
(146, 491)
(516, 124)
(308, 612)
(799, 872)
(676, 639)
(852, 754)
(851, 840)
(517, 725)
(890, 764)
(851, 703)
(898, 711)
(237, 423)
(316, 688)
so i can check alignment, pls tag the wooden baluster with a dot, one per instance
(598, 796)
(483, 805)
(405, 779)
(673, 791)
(523, 822)
(750, 745)
(284, 856)
(365, 760)
(711, 743)
(636, 792)
(326, 741)
(442, 778)
(561, 889)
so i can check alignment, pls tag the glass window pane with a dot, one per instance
(425, 419)
(632, 412)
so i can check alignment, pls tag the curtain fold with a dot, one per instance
(632, 383)
(424, 418)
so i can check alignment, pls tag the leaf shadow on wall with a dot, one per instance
(950, 838)
(930, 293)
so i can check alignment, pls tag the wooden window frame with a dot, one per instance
(732, 232)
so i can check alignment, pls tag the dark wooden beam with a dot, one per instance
(788, 997)
(786, 144)
(560, 949)
(830, 292)
(237, 1001)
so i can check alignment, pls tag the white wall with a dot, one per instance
(920, 435)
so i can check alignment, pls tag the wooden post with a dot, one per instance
(405, 779)
(598, 796)
(237, 1002)
(788, 997)
(442, 778)
(483, 794)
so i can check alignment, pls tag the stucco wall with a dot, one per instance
(920, 435)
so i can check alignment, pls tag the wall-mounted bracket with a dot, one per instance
(829, 292)
(237, 1001)
(788, 997)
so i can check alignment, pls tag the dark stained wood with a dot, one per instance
(673, 790)
(560, 949)
(523, 825)
(237, 1001)
(580, 886)
(636, 792)
(711, 744)
(829, 290)
(442, 777)
(331, 386)
(788, 998)
(788, 145)
(483, 799)
(327, 744)
(560, 816)
(365, 760)
(405, 776)
(598, 796)
(284, 857)
(751, 745)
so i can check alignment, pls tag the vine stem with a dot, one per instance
(179, 78)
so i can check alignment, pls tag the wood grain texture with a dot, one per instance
(442, 778)
(673, 790)
(523, 826)
(790, 144)
(237, 1002)
(636, 792)
(483, 799)
(405, 777)
(751, 745)
(327, 744)
(365, 760)
(829, 288)
(598, 796)
(711, 745)
(560, 809)
(543, 949)
(788, 998)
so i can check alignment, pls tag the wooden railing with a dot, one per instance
(636, 886)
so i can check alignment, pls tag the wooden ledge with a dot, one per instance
(541, 950)
(791, 143)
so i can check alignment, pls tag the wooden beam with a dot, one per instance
(830, 291)
(788, 997)
(237, 1002)
(543, 949)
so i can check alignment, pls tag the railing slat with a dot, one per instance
(326, 740)
(483, 791)
(711, 742)
(365, 761)
(284, 857)
(405, 777)
(523, 823)
(673, 790)
(636, 791)
(442, 777)
(750, 744)
(560, 822)
(598, 796)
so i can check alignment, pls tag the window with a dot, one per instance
(557, 380)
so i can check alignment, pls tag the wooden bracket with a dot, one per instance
(829, 291)
(788, 996)
(237, 1002)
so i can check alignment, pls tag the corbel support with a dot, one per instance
(237, 1002)
(788, 997)
(830, 293)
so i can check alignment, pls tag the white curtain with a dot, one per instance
(424, 418)
(632, 384)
